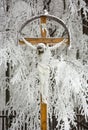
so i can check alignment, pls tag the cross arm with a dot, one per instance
(49, 41)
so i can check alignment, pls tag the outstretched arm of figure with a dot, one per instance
(28, 44)
(61, 44)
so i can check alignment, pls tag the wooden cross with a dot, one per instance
(49, 41)
(43, 39)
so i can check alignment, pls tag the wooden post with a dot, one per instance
(43, 106)
(43, 114)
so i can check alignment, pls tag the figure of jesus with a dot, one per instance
(44, 55)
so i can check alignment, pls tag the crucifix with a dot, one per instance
(41, 45)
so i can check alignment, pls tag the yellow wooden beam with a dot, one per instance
(42, 25)
(43, 106)
(43, 113)
(49, 41)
